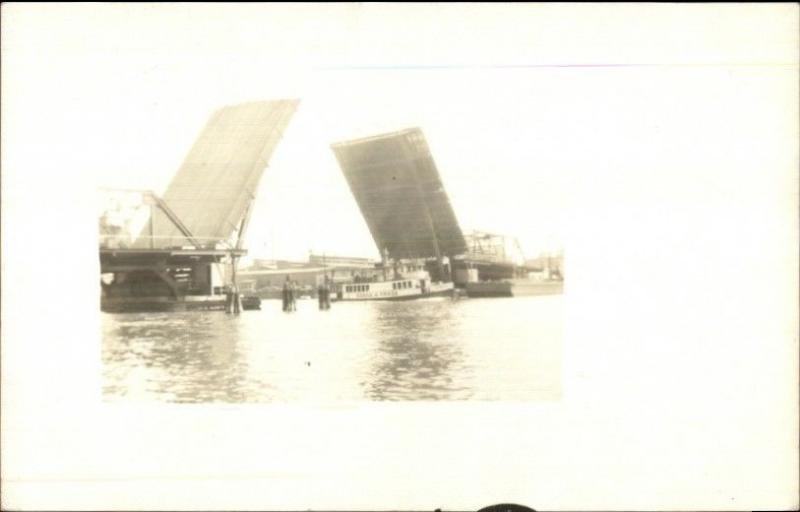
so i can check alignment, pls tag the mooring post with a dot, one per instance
(237, 301)
(152, 229)
(236, 298)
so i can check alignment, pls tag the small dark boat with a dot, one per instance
(250, 302)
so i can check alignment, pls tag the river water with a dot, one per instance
(430, 349)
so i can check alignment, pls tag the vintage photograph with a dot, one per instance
(399, 256)
(202, 303)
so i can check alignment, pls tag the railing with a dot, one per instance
(126, 222)
(143, 241)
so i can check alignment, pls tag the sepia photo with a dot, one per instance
(372, 256)
(203, 305)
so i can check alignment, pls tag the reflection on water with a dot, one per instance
(416, 356)
(434, 349)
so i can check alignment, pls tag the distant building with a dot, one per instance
(265, 278)
(270, 281)
(263, 264)
(340, 261)
(548, 264)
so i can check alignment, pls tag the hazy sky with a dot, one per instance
(524, 123)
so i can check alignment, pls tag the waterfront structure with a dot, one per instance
(265, 278)
(492, 256)
(187, 252)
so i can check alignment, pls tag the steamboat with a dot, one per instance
(416, 284)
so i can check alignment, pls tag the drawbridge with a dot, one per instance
(171, 256)
(401, 196)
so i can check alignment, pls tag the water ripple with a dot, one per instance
(418, 350)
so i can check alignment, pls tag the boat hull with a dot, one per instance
(488, 289)
(160, 304)
(172, 305)
(527, 287)
(513, 288)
